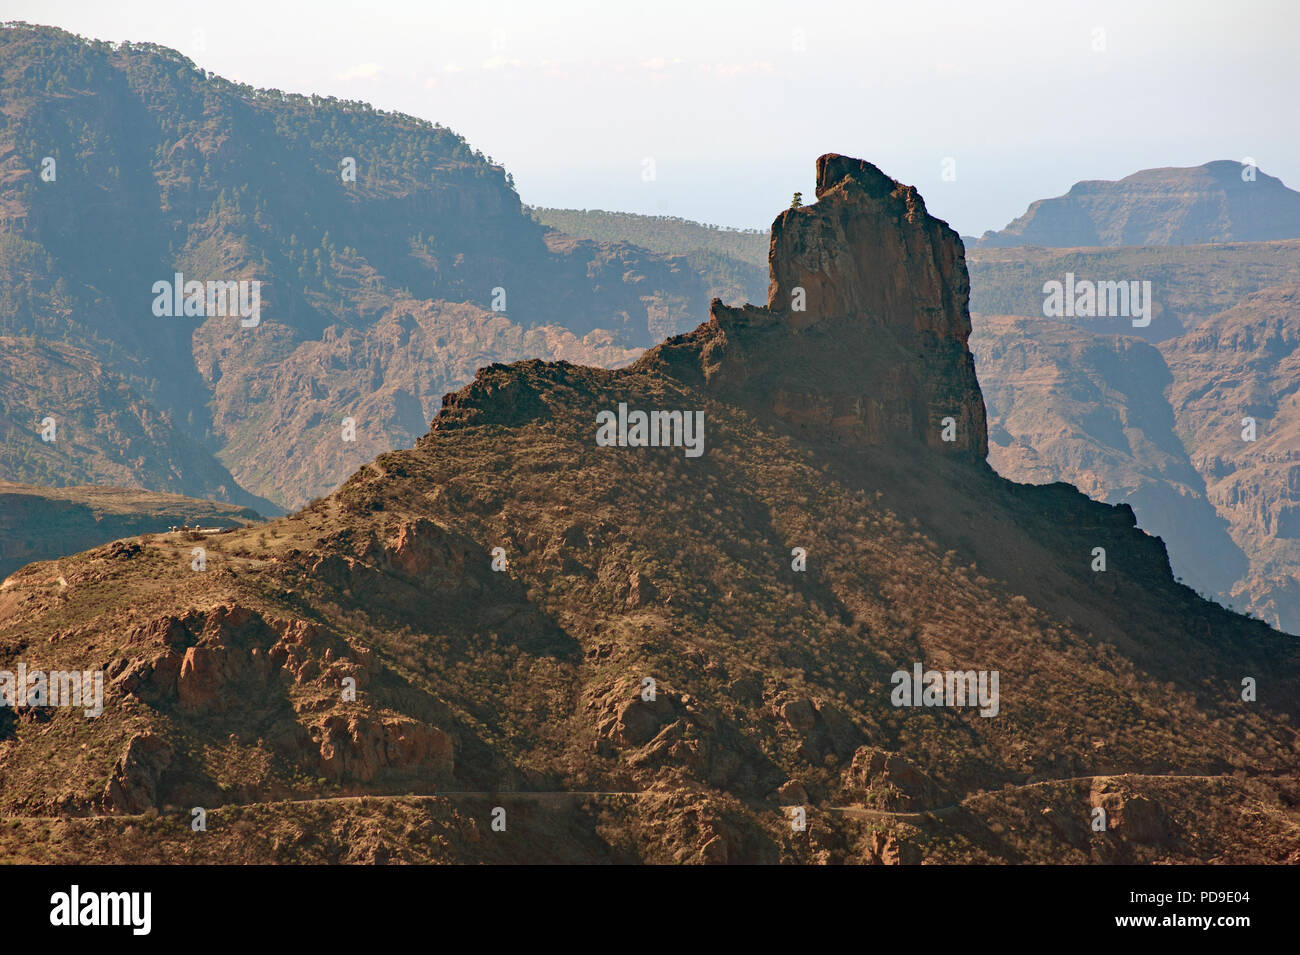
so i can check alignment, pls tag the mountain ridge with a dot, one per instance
(386, 232)
(502, 592)
(1219, 201)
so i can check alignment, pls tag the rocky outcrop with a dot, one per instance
(822, 730)
(891, 781)
(863, 340)
(674, 732)
(210, 662)
(356, 748)
(136, 779)
(231, 662)
(420, 547)
(1133, 817)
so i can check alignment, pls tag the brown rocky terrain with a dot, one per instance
(1245, 363)
(1161, 428)
(1068, 405)
(1188, 283)
(42, 523)
(500, 594)
(1086, 402)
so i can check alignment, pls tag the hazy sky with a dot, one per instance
(734, 101)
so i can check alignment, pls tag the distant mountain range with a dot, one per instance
(45, 523)
(669, 235)
(1222, 201)
(392, 261)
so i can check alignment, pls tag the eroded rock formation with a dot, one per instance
(863, 340)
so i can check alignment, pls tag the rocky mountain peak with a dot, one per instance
(498, 595)
(864, 336)
(833, 169)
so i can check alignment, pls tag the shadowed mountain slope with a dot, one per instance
(67, 419)
(1197, 435)
(393, 260)
(1091, 410)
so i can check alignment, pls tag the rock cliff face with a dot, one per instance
(1067, 405)
(863, 340)
(1165, 430)
(1234, 399)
